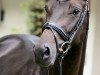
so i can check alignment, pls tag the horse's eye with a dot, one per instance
(75, 12)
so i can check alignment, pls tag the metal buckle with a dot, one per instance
(61, 51)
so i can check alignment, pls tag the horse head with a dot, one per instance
(62, 16)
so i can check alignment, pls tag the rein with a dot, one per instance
(68, 38)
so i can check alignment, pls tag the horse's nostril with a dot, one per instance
(47, 51)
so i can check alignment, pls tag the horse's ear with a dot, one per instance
(89, 4)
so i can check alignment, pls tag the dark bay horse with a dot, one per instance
(17, 57)
(62, 45)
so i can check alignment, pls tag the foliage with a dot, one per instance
(36, 14)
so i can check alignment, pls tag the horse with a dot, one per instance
(62, 45)
(17, 57)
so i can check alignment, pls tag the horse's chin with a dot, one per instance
(45, 64)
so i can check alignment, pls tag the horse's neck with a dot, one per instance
(73, 63)
(84, 46)
(81, 68)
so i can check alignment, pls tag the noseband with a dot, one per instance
(68, 38)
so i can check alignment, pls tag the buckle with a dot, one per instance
(68, 46)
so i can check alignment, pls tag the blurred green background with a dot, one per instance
(22, 17)
(36, 15)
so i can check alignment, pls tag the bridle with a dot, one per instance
(68, 38)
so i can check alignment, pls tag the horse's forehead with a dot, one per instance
(51, 3)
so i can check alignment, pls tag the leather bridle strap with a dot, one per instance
(55, 27)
